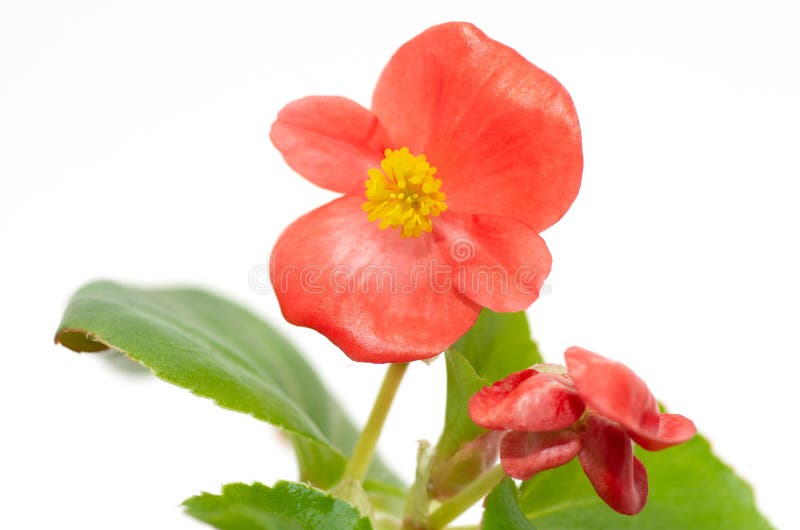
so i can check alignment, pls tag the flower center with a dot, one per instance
(403, 193)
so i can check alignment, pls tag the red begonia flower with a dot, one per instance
(467, 153)
(595, 410)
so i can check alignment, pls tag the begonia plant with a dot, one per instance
(467, 152)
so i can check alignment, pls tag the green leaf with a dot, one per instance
(499, 344)
(285, 506)
(690, 489)
(496, 345)
(221, 351)
(502, 509)
(462, 384)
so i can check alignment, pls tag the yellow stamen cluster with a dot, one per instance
(404, 194)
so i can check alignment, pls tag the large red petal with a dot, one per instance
(371, 292)
(612, 390)
(498, 262)
(331, 141)
(523, 454)
(527, 401)
(607, 459)
(503, 134)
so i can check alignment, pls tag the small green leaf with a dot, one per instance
(462, 384)
(285, 506)
(502, 509)
(221, 351)
(499, 344)
(496, 345)
(690, 489)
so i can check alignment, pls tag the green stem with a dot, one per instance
(365, 447)
(464, 499)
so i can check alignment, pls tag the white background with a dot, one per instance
(133, 145)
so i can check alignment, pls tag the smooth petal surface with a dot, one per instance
(483, 404)
(330, 140)
(607, 459)
(523, 454)
(503, 133)
(527, 401)
(673, 429)
(613, 391)
(372, 293)
(498, 262)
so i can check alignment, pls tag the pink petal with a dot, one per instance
(523, 454)
(527, 401)
(613, 391)
(673, 429)
(371, 292)
(331, 141)
(503, 134)
(607, 459)
(482, 405)
(498, 262)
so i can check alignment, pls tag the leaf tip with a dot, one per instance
(79, 340)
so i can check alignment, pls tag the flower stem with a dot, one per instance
(365, 447)
(459, 503)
